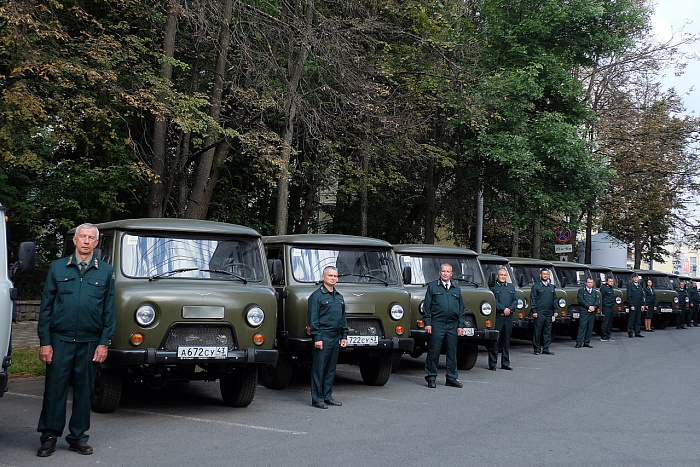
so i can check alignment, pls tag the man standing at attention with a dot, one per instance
(589, 299)
(506, 303)
(682, 305)
(329, 332)
(76, 325)
(444, 316)
(543, 300)
(635, 297)
(694, 304)
(607, 297)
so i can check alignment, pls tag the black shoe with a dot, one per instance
(81, 447)
(578, 346)
(650, 330)
(696, 325)
(638, 335)
(333, 402)
(47, 448)
(319, 405)
(630, 336)
(454, 383)
(492, 368)
(537, 352)
(431, 384)
(588, 345)
(547, 352)
(504, 367)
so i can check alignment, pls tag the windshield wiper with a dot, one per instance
(369, 276)
(170, 273)
(220, 271)
(464, 279)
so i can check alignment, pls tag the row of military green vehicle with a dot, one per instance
(200, 300)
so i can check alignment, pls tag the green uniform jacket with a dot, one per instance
(682, 297)
(75, 308)
(635, 295)
(649, 297)
(693, 295)
(444, 306)
(587, 299)
(543, 298)
(506, 297)
(607, 296)
(327, 313)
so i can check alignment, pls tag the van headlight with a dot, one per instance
(485, 308)
(254, 316)
(421, 307)
(618, 300)
(145, 315)
(562, 303)
(396, 311)
(521, 304)
(675, 299)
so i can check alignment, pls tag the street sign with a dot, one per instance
(563, 248)
(562, 235)
(563, 257)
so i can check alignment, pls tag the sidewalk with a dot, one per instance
(24, 335)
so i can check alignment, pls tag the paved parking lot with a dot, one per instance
(629, 402)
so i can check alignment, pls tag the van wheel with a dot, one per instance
(106, 390)
(238, 389)
(661, 321)
(376, 371)
(467, 355)
(395, 361)
(277, 377)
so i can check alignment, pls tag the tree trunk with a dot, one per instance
(589, 232)
(430, 207)
(297, 61)
(156, 201)
(364, 203)
(637, 251)
(196, 207)
(514, 250)
(536, 238)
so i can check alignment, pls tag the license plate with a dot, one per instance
(576, 315)
(363, 340)
(202, 352)
(627, 309)
(469, 332)
(554, 319)
(666, 310)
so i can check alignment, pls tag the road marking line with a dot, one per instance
(222, 422)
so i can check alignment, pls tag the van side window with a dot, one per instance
(105, 245)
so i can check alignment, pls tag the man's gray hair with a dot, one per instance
(502, 269)
(331, 268)
(86, 225)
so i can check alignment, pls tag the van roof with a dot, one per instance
(327, 240)
(432, 249)
(176, 225)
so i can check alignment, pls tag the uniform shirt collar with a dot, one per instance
(447, 284)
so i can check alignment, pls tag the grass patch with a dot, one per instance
(26, 363)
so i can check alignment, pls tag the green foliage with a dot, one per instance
(26, 363)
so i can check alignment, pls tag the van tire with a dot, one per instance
(467, 355)
(661, 321)
(238, 389)
(277, 377)
(107, 390)
(395, 361)
(376, 371)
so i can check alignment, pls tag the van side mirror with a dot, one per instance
(26, 259)
(97, 253)
(521, 280)
(492, 279)
(406, 274)
(274, 266)
(564, 282)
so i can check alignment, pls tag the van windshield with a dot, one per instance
(424, 269)
(531, 274)
(355, 265)
(660, 282)
(573, 276)
(489, 268)
(189, 257)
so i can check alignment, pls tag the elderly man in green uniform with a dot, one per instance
(635, 297)
(607, 298)
(506, 303)
(694, 304)
(76, 325)
(589, 299)
(543, 301)
(444, 316)
(329, 331)
(682, 305)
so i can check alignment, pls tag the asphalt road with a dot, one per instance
(628, 402)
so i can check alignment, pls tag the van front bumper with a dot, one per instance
(148, 356)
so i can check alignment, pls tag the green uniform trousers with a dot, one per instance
(606, 328)
(585, 327)
(542, 332)
(504, 326)
(323, 367)
(447, 333)
(71, 365)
